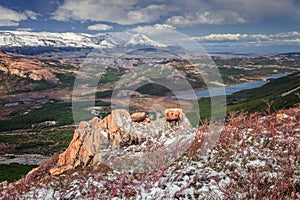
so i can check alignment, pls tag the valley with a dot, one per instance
(31, 108)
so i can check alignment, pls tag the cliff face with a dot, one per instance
(120, 136)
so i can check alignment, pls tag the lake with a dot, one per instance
(231, 88)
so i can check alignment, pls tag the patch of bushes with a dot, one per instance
(14, 171)
(43, 142)
(57, 111)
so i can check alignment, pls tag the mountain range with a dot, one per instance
(10, 39)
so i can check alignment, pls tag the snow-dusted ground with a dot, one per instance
(256, 158)
(25, 159)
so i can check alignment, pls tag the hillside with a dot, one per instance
(281, 93)
(256, 157)
(28, 73)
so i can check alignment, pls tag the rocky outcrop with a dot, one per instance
(26, 68)
(116, 131)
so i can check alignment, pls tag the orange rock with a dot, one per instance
(173, 114)
(138, 116)
(77, 153)
(147, 120)
(60, 170)
(92, 137)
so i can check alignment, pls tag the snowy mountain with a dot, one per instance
(75, 40)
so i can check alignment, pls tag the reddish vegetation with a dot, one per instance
(257, 157)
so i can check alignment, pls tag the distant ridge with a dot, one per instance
(289, 55)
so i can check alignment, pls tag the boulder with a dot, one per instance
(173, 114)
(138, 116)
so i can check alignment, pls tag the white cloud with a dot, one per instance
(8, 23)
(31, 15)
(223, 37)
(99, 27)
(286, 38)
(122, 12)
(10, 17)
(24, 29)
(55, 2)
(207, 17)
(156, 29)
(150, 13)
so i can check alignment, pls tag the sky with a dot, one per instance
(225, 25)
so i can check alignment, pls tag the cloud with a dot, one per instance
(24, 29)
(287, 38)
(10, 17)
(150, 13)
(99, 27)
(54, 2)
(207, 17)
(219, 12)
(122, 12)
(31, 15)
(260, 9)
(156, 29)
(176, 12)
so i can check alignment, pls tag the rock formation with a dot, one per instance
(116, 131)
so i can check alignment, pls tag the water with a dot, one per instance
(228, 90)
(25, 100)
(10, 104)
(276, 76)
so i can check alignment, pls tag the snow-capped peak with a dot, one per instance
(139, 39)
